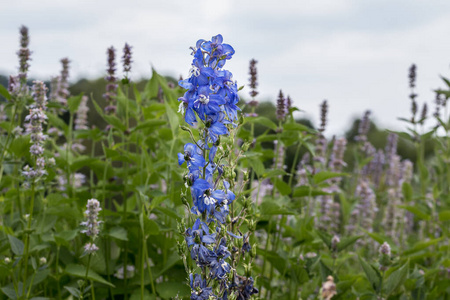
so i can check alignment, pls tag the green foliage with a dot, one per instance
(314, 222)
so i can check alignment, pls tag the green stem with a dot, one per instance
(27, 236)
(68, 149)
(85, 277)
(11, 124)
(57, 272)
(149, 269)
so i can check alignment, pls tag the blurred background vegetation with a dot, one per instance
(377, 134)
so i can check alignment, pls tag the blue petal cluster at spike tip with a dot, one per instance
(209, 104)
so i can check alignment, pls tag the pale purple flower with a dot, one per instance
(92, 223)
(90, 248)
(81, 121)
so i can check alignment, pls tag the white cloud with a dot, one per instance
(353, 53)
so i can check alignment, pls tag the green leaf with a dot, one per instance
(445, 80)
(152, 123)
(137, 95)
(136, 295)
(326, 238)
(114, 121)
(73, 291)
(262, 121)
(407, 191)
(4, 92)
(324, 175)
(20, 146)
(325, 271)
(173, 118)
(148, 226)
(372, 274)
(74, 103)
(81, 162)
(57, 122)
(170, 289)
(304, 191)
(256, 165)
(80, 271)
(118, 233)
(376, 236)
(396, 279)
(272, 208)
(297, 126)
(274, 173)
(417, 211)
(345, 242)
(151, 88)
(282, 187)
(17, 245)
(422, 245)
(444, 216)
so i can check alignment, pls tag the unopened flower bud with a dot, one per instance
(184, 200)
(245, 146)
(42, 260)
(248, 270)
(7, 260)
(228, 219)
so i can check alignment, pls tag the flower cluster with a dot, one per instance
(92, 224)
(24, 54)
(34, 126)
(127, 59)
(81, 120)
(111, 87)
(211, 99)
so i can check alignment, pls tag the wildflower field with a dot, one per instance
(188, 190)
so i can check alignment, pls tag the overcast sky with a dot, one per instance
(355, 54)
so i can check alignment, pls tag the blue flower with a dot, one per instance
(215, 125)
(217, 51)
(200, 290)
(187, 107)
(195, 238)
(219, 268)
(245, 288)
(192, 155)
(207, 103)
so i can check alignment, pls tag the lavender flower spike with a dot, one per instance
(126, 59)
(24, 55)
(253, 82)
(111, 86)
(92, 223)
(281, 106)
